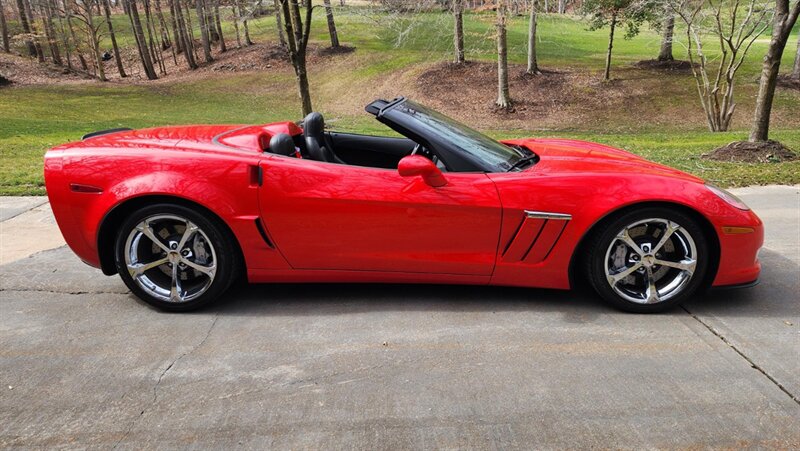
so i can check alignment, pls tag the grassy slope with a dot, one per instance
(33, 118)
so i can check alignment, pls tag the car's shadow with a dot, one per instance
(776, 295)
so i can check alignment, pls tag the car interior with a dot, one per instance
(347, 148)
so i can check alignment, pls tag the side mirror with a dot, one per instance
(417, 165)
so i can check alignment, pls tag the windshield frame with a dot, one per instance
(462, 148)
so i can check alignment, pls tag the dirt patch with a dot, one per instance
(784, 81)
(672, 66)
(550, 99)
(26, 71)
(341, 50)
(752, 152)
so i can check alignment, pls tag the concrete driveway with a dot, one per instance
(84, 364)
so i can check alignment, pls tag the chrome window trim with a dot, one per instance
(547, 215)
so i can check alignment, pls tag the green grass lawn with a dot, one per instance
(33, 118)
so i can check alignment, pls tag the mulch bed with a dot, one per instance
(790, 83)
(752, 152)
(674, 65)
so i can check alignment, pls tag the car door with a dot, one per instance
(340, 217)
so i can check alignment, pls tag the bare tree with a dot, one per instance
(458, 31)
(734, 25)
(4, 29)
(26, 28)
(183, 36)
(796, 69)
(782, 23)
(112, 35)
(279, 23)
(533, 65)
(614, 13)
(667, 31)
(247, 40)
(46, 13)
(218, 25)
(85, 14)
(503, 96)
(68, 13)
(202, 19)
(297, 33)
(331, 24)
(141, 43)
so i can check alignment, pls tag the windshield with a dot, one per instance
(499, 157)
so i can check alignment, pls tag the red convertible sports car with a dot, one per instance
(182, 212)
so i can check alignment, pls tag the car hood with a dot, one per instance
(575, 156)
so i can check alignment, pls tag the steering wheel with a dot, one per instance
(416, 149)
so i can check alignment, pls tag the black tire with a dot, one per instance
(597, 262)
(214, 238)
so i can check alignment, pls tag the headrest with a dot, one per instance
(314, 124)
(282, 144)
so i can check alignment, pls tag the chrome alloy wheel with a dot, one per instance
(170, 258)
(650, 261)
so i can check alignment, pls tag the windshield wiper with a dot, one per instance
(522, 161)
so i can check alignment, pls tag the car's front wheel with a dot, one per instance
(174, 258)
(648, 260)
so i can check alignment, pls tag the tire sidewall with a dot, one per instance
(604, 238)
(225, 252)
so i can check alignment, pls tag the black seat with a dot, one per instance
(282, 144)
(314, 134)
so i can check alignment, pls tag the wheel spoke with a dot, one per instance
(684, 265)
(175, 287)
(651, 294)
(207, 270)
(614, 278)
(626, 238)
(188, 233)
(138, 268)
(671, 228)
(148, 232)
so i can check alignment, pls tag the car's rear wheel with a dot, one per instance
(648, 260)
(174, 258)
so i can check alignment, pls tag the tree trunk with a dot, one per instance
(107, 11)
(183, 36)
(297, 39)
(46, 8)
(203, 22)
(141, 43)
(23, 21)
(247, 40)
(176, 38)
(458, 32)
(607, 74)
(4, 29)
(796, 70)
(94, 44)
(155, 47)
(32, 24)
(331, 24)
(278, 21)
(166, 42)
(218, 24)
(782, 24)
(665, 54)
(562, 6)
(503, 97)
(68, 13)
(235, 11)
(533, 65)
(64, 37)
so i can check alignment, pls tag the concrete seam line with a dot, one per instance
(26, 211)
(742, 354)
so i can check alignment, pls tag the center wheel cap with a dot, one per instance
(648, 260)
(174, 257)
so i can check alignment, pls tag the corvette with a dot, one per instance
(180, 213)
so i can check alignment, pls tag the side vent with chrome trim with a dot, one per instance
(535, 237)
